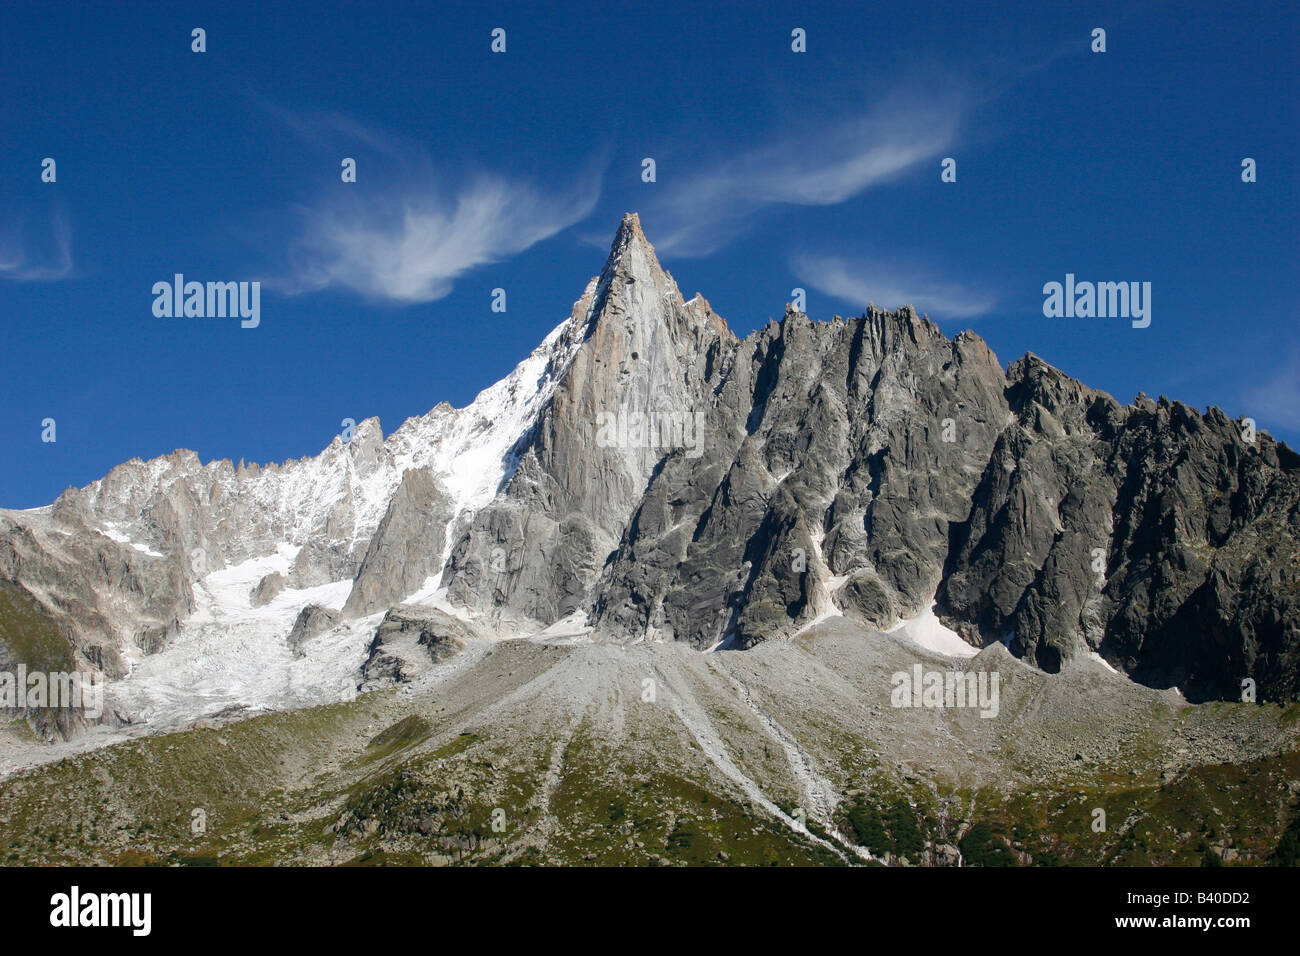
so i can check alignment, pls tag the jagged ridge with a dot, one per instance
(863, 467)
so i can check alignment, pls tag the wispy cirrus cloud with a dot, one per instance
(1275, 401)
(412, 231)
(824, 164)
(19, 263)
(861, 281)
(326, 127)
(411, 244)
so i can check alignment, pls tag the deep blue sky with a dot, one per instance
(775, 170)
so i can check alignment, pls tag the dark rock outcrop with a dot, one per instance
(312, 621)
(411, 639)
(267, 589)
(869, 466)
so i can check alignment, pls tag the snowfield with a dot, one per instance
(230, 656)
(925, 630)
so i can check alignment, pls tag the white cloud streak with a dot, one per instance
(1275, 402)
(859, 282)
(19, 265)
(321, 128)
(409, 241)
(827, 165)
(411, 246)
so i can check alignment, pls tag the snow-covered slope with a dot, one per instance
(230, 656)
(174, 548)
(237, 513)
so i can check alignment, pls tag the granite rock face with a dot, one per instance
(641, 381)
(32, 638)
(870, 466)
(654, 477)
(406, 548)
(102, 593)
(267, 590)
(1162, 538)
(826, 485)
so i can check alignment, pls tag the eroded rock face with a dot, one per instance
(267, 589)
(647, 367)
(648, 470)
(317, 563)
(312, 621)
(406, 548)
(409, 641)
(871, 465)
(102, 593)
(826, 462)
(1152, 533)
(32, 638)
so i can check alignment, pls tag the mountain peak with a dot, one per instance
(632, 281)
(632, 256)
(630, 226)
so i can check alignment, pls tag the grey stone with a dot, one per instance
(409, 641)
(312, 621)
(267, 589)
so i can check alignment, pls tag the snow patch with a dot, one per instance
(572, 629)
(112, 530)
(1093, 655)
(928, 632)
(826, 615)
